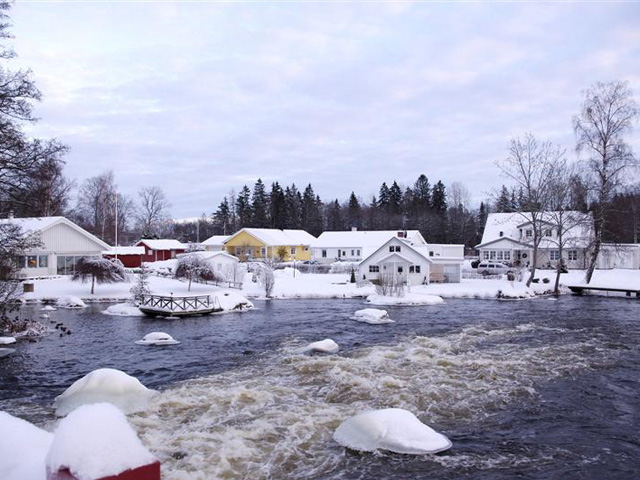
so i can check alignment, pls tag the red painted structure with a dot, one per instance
(131, 257)
(145, 472)
(159, 250)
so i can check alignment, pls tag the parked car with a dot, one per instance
(493, 268)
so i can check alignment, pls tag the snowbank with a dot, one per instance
(48, 308)
(5, 352)
(372, 316)
(409, 298)
(70, 301)
(326, 346)
(157, 338)
(392, 429)
(7, 340)
(232, 301)
(105, 385)
(96, 441)
(123, 310)
(23, 448)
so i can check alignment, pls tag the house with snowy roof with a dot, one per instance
(354, 245)
(214, 243)
(156, 250)
(413, 264)
(508, 238)
(131, 257)
(270, 243)
(62, 244)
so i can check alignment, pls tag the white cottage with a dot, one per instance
(413, 265)
(63, 243)
(354, 245)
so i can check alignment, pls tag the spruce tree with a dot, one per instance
(355, 212)
(277, 206)
(243, 208)
(259, 206)
(222, 218)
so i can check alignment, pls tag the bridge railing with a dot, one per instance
(178, 304)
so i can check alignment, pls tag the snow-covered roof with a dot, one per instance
(507, 225)
(163, 244)
(40, 224)
(275, 237)
(365, 239)
(124, 251)
(215, 240)
(209, 255)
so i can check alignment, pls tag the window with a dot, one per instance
(499, 255)
(21, 261)
(392, 248)
(400, 269)
(339, 253)
(324, 254)
(431, 253)
(417, 268)
(32, 261)
(554, 255)
(353, 253)
(507, 255)
(293, 250)
(412, 269)
(502, 234)
(573, 255)
(358, 252)
(374, 268)
(492, 255)
(43, 261)
(306, 249)
(397, 248)
(344, 253)
(263, 251)
(529, 233)
(485, 255)
(547, 232)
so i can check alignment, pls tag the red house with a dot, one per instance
(131, 257)
(161, 249)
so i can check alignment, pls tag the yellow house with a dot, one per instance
(270, 243)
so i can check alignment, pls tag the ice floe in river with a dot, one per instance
(373, 316)
(5, 352)
(105, 385)
(407, 299)
(47, 308)
(7, 340)
(123, 310)
(70, 301)
(325, 346)
(157, 338)
(392, 429)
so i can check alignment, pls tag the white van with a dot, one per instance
(492, 268)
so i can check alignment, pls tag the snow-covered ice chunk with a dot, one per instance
(5, 352)
(123, 310)
(70, 301)
(392, 429)
(157, 338)
(44, 315)
(326, 346)
(48, 308)
(105, 385)
(23, 448)
(373, 316)
(232, 301)
(96, 441)
(7, 340)
(407, 299)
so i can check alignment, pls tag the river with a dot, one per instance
(538, 388)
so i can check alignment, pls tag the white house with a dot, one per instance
(215, 243)
(354, 245)
(508, 238)
(220, 261)
(413, 265)
(63, 243)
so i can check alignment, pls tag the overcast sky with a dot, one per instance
(202, 97)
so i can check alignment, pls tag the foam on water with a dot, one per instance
(275, 419)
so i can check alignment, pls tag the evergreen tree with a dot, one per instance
(355, 212)
(259, 206)
(440, 229)
(422, 193)
(222, 217)
(439, 197)
(395, 199)
(312, 220)
(293, 207)
(503, 202)
(243, 208)
(334, 216)
(383, 198)
(277, 206)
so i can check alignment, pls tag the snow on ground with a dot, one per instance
(23, 448)
(105, 385)
(392, 429)
(88, 455)
(70, 301)
(325, 346)
(7, 340)
(123, 310)
(409, 298)
(157, 338)
(232, 301)
(372, 316)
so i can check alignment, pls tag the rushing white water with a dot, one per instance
(275, 418)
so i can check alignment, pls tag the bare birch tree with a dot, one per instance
(608, 114)
(531, 165)
(153, 210)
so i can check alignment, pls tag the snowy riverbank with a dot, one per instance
(288, 285)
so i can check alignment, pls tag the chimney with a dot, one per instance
(10, 216)
(354, 229)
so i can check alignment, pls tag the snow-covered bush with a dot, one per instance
(141, 286)
(390, 285)
(265, 275)
(193, 267)
(343, 267)
(100, 270)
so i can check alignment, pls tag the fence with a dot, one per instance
(180, 304)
